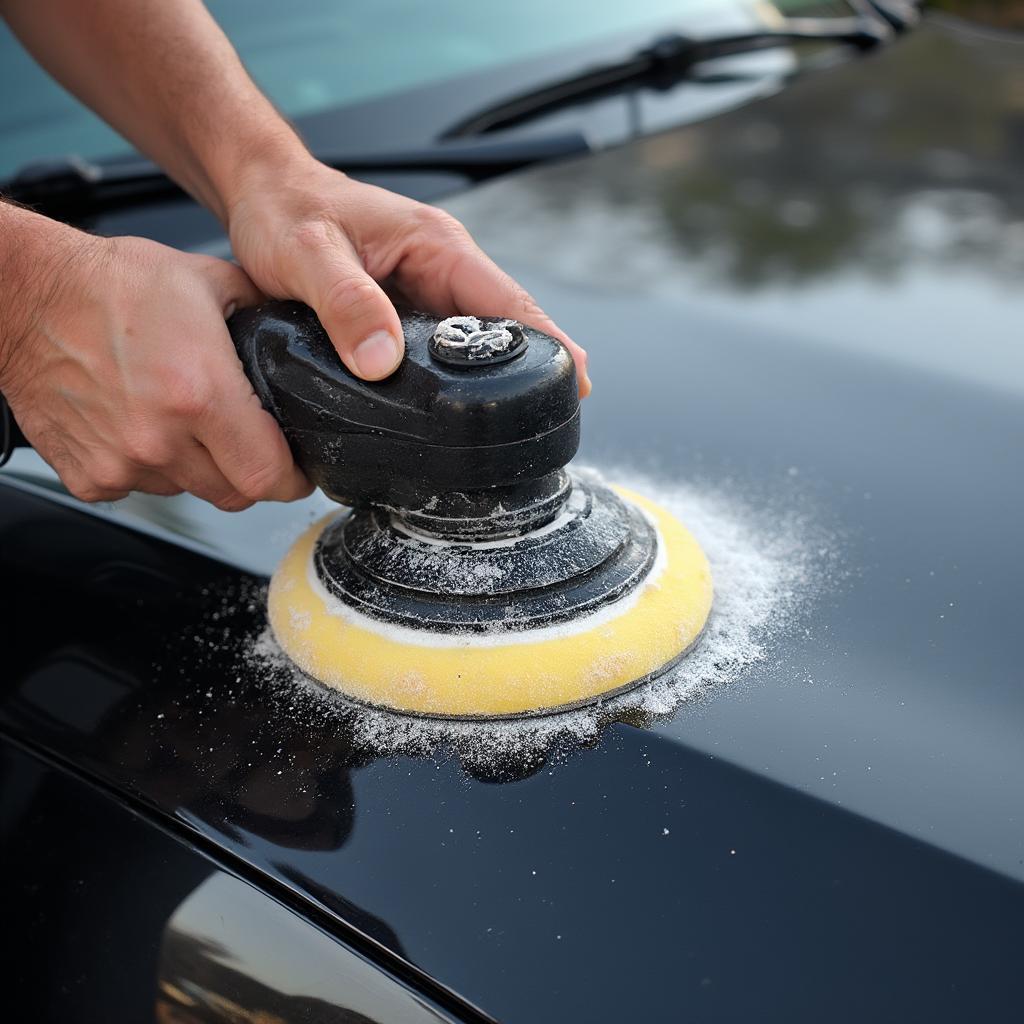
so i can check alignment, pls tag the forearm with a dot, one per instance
(33, 249)
(165, 75)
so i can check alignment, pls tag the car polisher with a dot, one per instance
(471, 575)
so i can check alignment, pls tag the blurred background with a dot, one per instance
(1008, 14)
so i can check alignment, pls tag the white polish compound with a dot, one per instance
(768, 562)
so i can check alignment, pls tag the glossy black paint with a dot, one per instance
(119, 921)
(229, 952)
(839, 836)
(88, 890)
(756, 896)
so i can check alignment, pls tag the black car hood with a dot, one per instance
(813, 303)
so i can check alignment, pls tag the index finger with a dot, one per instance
(243, 439)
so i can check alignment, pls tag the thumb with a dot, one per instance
(355, 311)
(232, 288)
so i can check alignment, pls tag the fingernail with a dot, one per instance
(377, 356)
(585, 384)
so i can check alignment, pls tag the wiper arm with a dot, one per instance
(73, 188)
(670, 60)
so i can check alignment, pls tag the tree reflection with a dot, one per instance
(1008, 14)
(907, 158)
(915, 160)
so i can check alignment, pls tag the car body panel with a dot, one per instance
(121, 921)
(838, 835)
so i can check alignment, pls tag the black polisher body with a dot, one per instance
(437, 426)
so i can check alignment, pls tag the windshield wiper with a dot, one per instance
(73, 188)
(671, 59)
(900, 14)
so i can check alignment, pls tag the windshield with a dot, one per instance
(318, 55)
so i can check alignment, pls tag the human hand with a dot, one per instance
(309, 232)
(121, 373)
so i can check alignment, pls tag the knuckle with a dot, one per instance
(112, 475)
(83, 490)
(261, 482)
(223, 276)
(530, 310)
(314, 234)
(352, 298)
(215, 266)
(232, 503)
(187, 395)
(525, 301)
(148, 447)
(92, 492)
(438, 221)
(433, 216)
(165, 489)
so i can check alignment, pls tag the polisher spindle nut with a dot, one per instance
(475, 341)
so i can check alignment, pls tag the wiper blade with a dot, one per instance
(900, 14)
(74, 187)
(670, 60)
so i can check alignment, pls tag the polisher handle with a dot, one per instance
(468, 409)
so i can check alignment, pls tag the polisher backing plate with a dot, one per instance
(501, 674)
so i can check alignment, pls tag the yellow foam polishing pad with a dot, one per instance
(497, 674)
